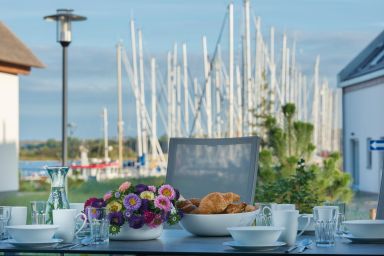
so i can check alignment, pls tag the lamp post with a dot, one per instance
(63, 18)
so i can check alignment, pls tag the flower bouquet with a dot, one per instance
(139, 207)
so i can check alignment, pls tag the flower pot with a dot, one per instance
(143, 233)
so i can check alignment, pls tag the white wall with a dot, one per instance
(364, 116)
(9, 132)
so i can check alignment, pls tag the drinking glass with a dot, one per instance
(38, 212)
(5, 214)
(340, 216)
(325, 218)
(99, 222)
(264, 217)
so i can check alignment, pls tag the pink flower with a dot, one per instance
(107, 196)
(163, 203)
(152, 188)
(123, 187)
(167, 191)
(148, 217)
(156, 221)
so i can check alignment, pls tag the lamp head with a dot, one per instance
(63, 18)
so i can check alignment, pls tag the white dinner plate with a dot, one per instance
(42, 244)
(264, 247)
(355, 239)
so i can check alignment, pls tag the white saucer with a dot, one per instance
(264, 247)
(374, 240)
(42, 244)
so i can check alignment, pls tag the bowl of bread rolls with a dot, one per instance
(214, 213)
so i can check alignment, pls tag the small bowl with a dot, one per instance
(216, 224)
(365, 228)
(32, 233)
(255, 235)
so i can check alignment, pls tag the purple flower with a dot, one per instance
(152, 188)
(165, 215)
(177, 194)
(117, 194)
(116, 218)
(180, 213)
(94, 213)
(98, 203)
(140, 188)
(136, 221)
(144, 205)
(127, 214)
(132, 202)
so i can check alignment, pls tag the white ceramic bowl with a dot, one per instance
(365, 228)
(255, 235)
(32, 233)
(216, 224)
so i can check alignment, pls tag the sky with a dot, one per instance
(337, 30)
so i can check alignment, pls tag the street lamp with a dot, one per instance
(63, 18)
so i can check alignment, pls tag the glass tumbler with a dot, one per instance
(38, 214)
(340, 216)
(5, 215)
(325, 220)
(99, 223)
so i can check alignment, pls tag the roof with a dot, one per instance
(367, 65)
(13, 51)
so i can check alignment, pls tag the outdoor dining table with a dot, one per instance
(180, 242)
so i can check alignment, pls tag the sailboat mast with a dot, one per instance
(136, 82)
(105, 128)
(231, 69)
(154, 110)
(207, 80)
(185, 82)
(248, 69)
(142, 98)
(120, 122)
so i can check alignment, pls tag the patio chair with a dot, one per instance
(199, 166)
(380, 204)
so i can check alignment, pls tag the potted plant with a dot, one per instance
(138, 212)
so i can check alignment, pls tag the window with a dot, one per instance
(369, 154)
(378, 58)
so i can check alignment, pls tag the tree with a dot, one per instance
(283, 176)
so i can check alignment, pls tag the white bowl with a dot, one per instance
(32, 233)
(216, 224)
(365, 228)
(256, 235)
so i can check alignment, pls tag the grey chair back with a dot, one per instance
(380, 204)
(200, 166)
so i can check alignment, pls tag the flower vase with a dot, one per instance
(58, 196)
(143, 233)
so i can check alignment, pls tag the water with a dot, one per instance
(31, 168)
(57, 200)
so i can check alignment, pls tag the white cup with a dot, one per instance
(268, 210)
(78, 206)
(289, 220)
(303, 222)
(18, 215)
(66, 219)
